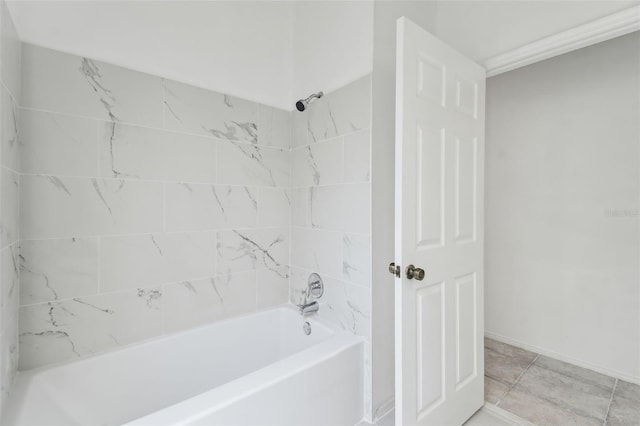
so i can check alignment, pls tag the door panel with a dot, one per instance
(439, 227)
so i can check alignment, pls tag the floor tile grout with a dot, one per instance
(613, 391)
(517, 380)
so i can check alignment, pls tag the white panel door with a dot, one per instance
(439, 228)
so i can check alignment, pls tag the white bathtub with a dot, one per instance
(259, 369)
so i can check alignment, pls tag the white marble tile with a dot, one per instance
(10, 47)
(57, 331)
(10, 286)
(128, 151)
(253, 249)
(317, 250)
(10, 149)
(56, 81)
(274, 205)
(193, 303)
(54, 207)
(128, 262)
(9, 207)
(193, 207)
(356, 259)
(342, 208)
(298, 128)
(347, 306)
(245, 164)
(58, 269)
(343, 111)
(272, 287)
(8, 362)
(56, 144)
(357, 150)
(300, 203)
(274, 127)
(200, 111)
(318, 164)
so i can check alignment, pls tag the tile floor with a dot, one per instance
(525, 388)
(546, 391)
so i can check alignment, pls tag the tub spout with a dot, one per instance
(309, 308)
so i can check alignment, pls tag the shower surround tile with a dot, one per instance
(58, 269)
(58, 144)
(356, 259)
(129, 262)
(9, 207)
(344, 305)
(10, 154)
(274, 205)
(340, 112)
(274, 127)
(192, 303)
(194, 110)
(54, 207)
(9, 131)
(60, 82)
(198, 207)
(253, 249)
(84, 326)
(317, 250)
(357, 157)
(246, 164)
(354, 214)
(135, 152)
(318, 164)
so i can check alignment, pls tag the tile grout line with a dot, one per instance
(613, 391)
(518, 379)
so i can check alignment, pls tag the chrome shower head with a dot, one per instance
(301, 105)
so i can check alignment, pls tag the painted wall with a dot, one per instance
(9, 202)
(148, 206)
(562, 185)
(332, 44)
(383, 178)
(242, 48)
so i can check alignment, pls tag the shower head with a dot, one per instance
(301, 105)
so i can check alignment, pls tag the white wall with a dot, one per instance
(241, 48)
(383, 168)
(332, 44)
(562, 185)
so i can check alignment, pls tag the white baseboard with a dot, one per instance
(575, 361)
(508, 417)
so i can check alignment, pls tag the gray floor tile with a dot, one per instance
(542, 412)
(567, 392)
(509, 350)
(574, 371)
(628, 390)
(494, 390)
(504, 368)
(623, 412)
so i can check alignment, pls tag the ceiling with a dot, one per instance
(221, 44)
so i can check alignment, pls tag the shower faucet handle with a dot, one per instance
(315, 286)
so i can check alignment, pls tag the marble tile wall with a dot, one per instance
(330, 211)
(9, 202)
(148, 206)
